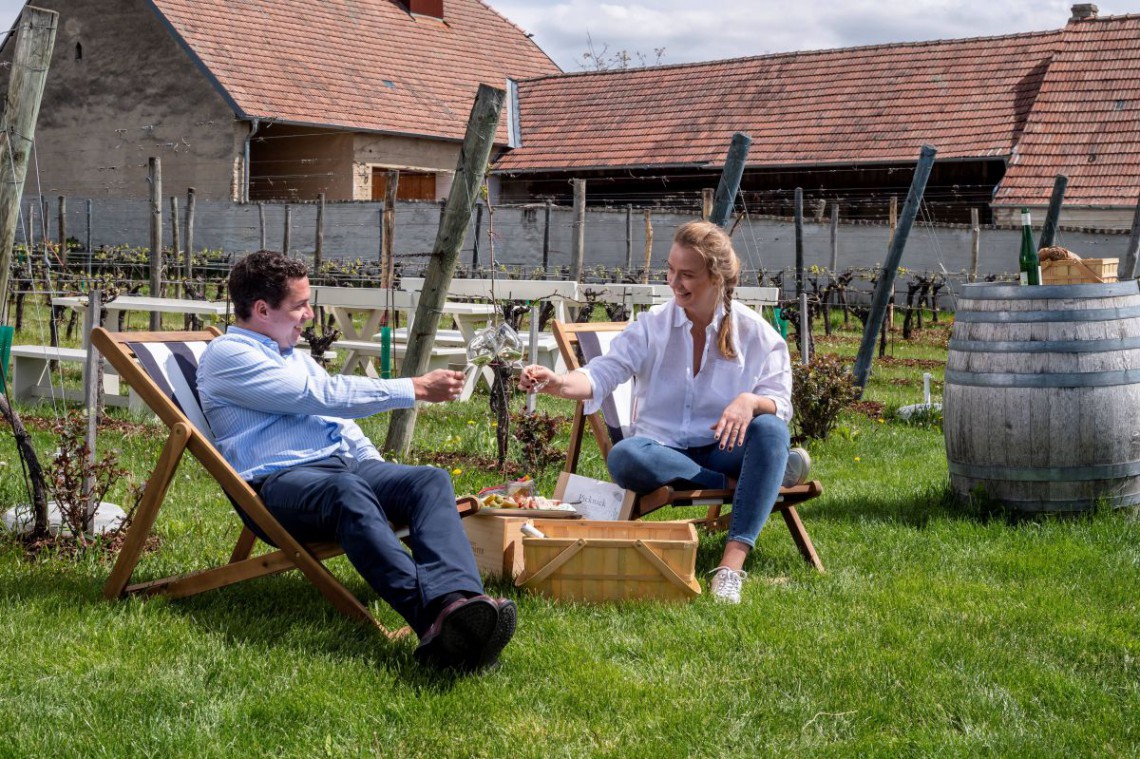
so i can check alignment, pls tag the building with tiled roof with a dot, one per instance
(1007, 114)
(265, 99)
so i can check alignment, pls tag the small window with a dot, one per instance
(412, 185)
(78, 51)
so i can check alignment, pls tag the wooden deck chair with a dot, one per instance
(162, 368)
(612, 423)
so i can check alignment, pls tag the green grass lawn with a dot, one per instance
(936, 631)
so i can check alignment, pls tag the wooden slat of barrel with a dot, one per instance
(1041, 405)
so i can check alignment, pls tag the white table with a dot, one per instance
(371, 303)
(208, 308)
(559, 292)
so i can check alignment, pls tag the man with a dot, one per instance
(285, 425)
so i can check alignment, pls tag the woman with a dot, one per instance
(712, 395)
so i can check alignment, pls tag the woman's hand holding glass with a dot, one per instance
(535, 377)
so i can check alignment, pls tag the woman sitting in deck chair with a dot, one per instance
(712, 395)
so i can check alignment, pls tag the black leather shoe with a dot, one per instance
(488, 656)
(460, 634)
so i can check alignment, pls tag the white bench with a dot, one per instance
(548, 353)
(32, 377)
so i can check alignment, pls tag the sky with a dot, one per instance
(714, 29)
(688, 31)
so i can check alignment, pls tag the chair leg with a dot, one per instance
(800, 536)
(244, 546)
(147, 511)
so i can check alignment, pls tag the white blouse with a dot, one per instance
(672, 406)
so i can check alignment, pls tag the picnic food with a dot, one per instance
(521, 501)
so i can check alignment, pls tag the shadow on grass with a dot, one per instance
(936, 502)
(270, 613)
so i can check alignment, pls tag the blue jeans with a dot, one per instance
(352, 503)
(643, 465)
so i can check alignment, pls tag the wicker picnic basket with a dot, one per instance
(589, 560)
(1060, 266)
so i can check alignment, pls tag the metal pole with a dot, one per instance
(805, 333)
(1128, 271)
(191, 206)
(319, 247)
(90, 253)
(799, 223)
(1053, 215)
(546, 240)
(531, 398)
(628, 238)
(579, 230)
(287, 234)
(91, 380)
(730, 176)
(155, 239)
(886, 283)
(975, 244)
(834, 238)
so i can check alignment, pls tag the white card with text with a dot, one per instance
(595, 499)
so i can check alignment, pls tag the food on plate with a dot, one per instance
(522, 501)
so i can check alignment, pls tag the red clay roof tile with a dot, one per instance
(1085, 122)
(855, 105)
(365, 65)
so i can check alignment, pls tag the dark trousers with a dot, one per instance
(352, 502)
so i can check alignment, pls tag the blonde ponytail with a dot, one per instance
(715, 247)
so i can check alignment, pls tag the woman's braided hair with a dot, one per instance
(715, 247)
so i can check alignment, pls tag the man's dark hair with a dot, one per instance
(264, 275)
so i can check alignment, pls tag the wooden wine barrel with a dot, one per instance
(1041, 404)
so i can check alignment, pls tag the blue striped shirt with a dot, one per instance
(271, 409)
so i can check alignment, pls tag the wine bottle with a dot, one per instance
(1028, 262)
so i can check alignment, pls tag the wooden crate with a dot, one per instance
(587, 560)
(495, 542)
(1071, 271)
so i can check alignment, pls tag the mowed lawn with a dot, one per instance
(937, 630)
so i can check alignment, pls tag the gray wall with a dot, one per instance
(132, 93)
(352, 230)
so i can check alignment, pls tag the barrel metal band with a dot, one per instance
(1016, 317)
(1045, 346)
(991, 291)
(1061, 379)
(1047, 473)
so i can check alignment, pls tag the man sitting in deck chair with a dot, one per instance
(285, 425)
(712, 396)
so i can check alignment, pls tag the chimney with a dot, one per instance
(434, 8)
(1084, 11)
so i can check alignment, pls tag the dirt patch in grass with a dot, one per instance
(473, 461)
(920, 363)
(104, 547)
(873, 409)
(125, 427)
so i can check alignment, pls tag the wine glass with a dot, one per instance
(509, 345)
(483, 347)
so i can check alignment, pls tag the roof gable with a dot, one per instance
(970, 98)
(1085, 122)
(367, 65)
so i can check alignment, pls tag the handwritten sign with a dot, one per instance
(595, 499)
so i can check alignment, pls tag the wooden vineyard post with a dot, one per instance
(465, 190)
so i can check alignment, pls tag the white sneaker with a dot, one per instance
(798, 468)
(725, 584)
